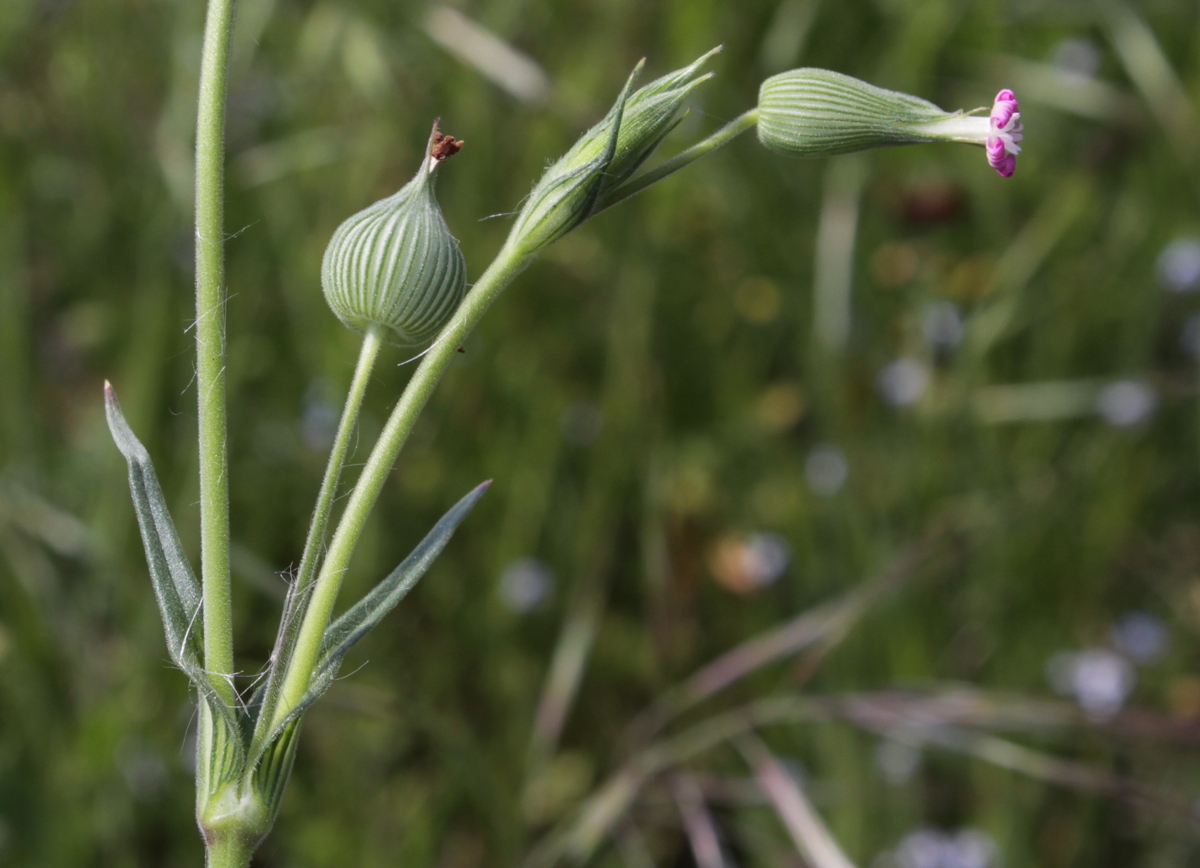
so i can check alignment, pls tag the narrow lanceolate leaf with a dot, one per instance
(358, 620)
(175, 585)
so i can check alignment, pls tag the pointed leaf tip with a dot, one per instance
(360, 618)
(176, 588)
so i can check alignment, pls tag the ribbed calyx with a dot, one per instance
(575, 187)
(395, 263)
(817, 113)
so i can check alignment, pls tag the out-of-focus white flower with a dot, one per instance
(768, 554)
(1098, 679)
(903, 382)
(1189, 336)
(525, 584)
(1140, 636)
(747, 564)
(1126, 402)
(1178, 265)
(931, 848)
(826, 469)
(943, 325)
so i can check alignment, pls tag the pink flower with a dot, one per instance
(1004, 134)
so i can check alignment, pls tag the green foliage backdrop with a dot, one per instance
(649, 395)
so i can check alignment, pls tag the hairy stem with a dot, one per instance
(507, 265)
(229, 851)
(210, 347)
(285, 643)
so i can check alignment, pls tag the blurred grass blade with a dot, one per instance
(808, 830)
(785, 38)
(1050, 769)
(1070, 202)
(1152, 72)
(697, 822)
(360, 618)
(822, 627)
(1046, 401)
(494, 58)
(837, 231)
(1066, 91)
(175, 585)
(567, 667)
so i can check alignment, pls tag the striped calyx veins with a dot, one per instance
(818, 113)
(576, 186)
(395, 264)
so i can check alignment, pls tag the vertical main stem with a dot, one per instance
(210, 347)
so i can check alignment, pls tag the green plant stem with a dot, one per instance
(367, 355)
(229, 851)
(723, 136)
(210, 347)
(506, 266)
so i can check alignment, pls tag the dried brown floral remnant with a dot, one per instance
(444, 146)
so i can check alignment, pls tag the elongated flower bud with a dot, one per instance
(651, 112)
(395, 263)
(566, 193)
(574, 187)
(818, 113)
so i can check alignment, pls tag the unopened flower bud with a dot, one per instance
(651, 112)
(574, 187)
(817, 113)
(395, 263)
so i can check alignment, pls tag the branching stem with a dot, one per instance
(285, 643)
(506, 266)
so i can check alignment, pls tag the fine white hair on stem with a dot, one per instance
(441, 337)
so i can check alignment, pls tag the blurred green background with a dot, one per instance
(743, 394)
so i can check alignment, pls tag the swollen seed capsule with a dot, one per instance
(395, 264)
